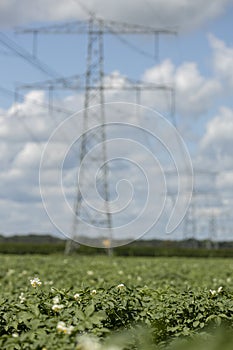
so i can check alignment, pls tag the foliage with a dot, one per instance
(134, 249)
(52, 302)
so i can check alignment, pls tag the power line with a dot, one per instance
(44, 105)
(33, 137)
(41, 104)
(21, 52)
(85, 9)
(120, 38)
(132, 46)
(6, 53)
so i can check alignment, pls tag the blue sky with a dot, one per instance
(199, 60)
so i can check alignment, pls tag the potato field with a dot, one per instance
(112, 303)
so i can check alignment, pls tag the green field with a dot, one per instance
(95, 303)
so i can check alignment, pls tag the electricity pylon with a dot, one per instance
(94, 95)
(190, 220)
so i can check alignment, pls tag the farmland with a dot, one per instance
(113, 303)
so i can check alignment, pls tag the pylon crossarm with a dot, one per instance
(107, 27)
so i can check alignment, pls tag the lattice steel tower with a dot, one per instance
(94, 95)
(94, 87)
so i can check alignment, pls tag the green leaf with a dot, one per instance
(90, 309)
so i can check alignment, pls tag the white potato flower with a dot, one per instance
(62, 328)
(216, 292)
(120, 286)
(22, 298)
(213, 292)
(56, 299)
(57, 307)
(76, 296)
(93, 292)
(35, 282)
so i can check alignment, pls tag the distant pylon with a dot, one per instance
(213, 229)
(190, 224)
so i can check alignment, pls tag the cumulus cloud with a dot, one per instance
(195, 97)
(215, 156)
(182, 13)
(21, 156)
(225, 181)
(216, 145)
(20, 151)
(194, 92)
(222, 60)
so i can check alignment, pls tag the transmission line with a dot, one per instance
(23, 53)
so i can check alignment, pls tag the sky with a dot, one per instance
(197, 62)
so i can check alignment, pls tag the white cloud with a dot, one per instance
(194, 93)
(15, 217)
(217, 143)
(182, 13)
(215, 155)
(21, 156)
(28, 157)
(225, 181)
(222, 60)
(30, 119)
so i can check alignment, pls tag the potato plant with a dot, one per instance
(88, 303)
